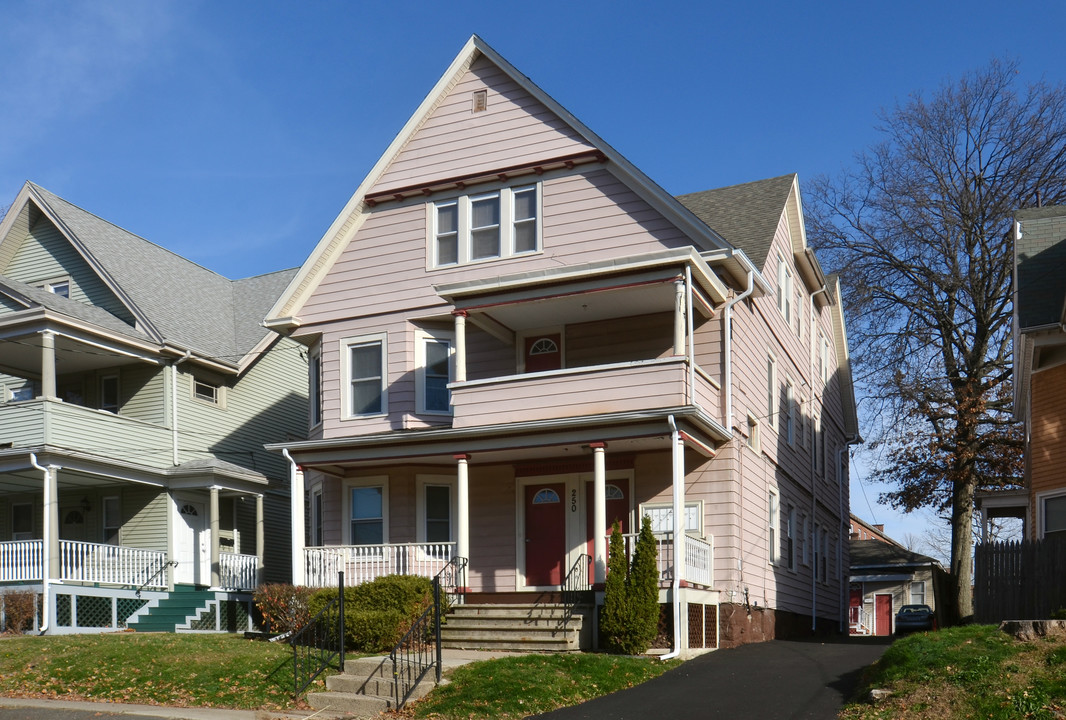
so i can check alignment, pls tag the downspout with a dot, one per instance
(45, 605)
(174, 402)
(727, 370)
(814, 465)
(678, 488)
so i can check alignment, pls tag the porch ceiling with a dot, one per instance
(30, 481)
(22, 356)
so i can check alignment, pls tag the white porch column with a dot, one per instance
(48, 364)
(462, 520)
(260, 538)
(50, 524)
(460, 346)
(296, 518)
(599, 513)
(679, 317)
(679, 509)
(216, 579)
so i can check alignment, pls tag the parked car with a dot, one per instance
(911, 618)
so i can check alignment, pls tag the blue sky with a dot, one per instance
(234, 132)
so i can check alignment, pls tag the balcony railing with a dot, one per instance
(238, 572)
(363, 563)
(593, 390)
(83, 562)
(699, 558)
(110, 564)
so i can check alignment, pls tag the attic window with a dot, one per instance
(206, 391)
(480, 101)
(58, 287)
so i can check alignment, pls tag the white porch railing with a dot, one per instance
(21, 560)
(363, 563)
(860, 622)
(111, 564)
(699, 558)
(238, 572)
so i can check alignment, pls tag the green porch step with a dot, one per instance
(184, 601)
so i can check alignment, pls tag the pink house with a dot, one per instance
(515, 337)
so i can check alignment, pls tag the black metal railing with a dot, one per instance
(575, 587)
(419, 651)
(318, 643)
(162, 569)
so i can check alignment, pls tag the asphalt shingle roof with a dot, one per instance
(1040, 257)
(870, 553)
(187, 304)
(746, 215)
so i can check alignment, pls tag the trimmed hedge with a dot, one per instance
(378, 613)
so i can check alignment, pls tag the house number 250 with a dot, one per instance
(573, 501)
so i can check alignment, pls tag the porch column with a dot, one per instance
(260, 538)
(679, 317)
(462, 520)
(599, 513)
(460, 345)
(296, 519)
(216, 580)
(48, 365)
(50, 525)
(679, 509)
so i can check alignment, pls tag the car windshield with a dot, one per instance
(914, 609)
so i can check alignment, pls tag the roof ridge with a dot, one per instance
(789, 176)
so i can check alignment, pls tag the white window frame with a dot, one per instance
(116, 503)
(790, 538)
(29, 388)
(1041, 508)
(422, 338)
(316, 527)
(507, 225)
(346, 344)
(421, 483)
(917, 589)
(118, 393)
(314, 386)
(218, 391)
(772, 513)
(772, 393)
(662, 513)
(754, 439)
(784, 289)
(381, 481)
(60, 286)
(789, 411)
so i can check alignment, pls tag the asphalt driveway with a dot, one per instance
(778, 680)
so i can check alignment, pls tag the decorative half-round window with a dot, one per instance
(544, 496)
(187, 509)
(613, 492)
(74, 517)
(544, 346)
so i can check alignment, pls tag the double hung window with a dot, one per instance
(434, 371)
(486, 226)
(367, 509)
(365, 373)
(784, 289)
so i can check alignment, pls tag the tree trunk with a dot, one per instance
(962, 548)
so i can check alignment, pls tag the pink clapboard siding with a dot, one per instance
(569, 393)
(454, 141)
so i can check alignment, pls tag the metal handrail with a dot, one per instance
(574, 585)
(411, 657)
(160, 571)
(321, 640)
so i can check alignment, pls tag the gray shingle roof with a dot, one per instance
(873, 553)
(1040, 257)
(71, 308)
(746, 215)
(186, 304)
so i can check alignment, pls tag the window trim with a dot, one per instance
(316, 528)
(1041, 509)
(350, 484)
(772, 399)
(642, 510)
(772, 519)
(381, 339)
(910, 592)
(103, 519)
(219, 391)
(784, 289)
(754, 439)
(790, 538)
(314, 386)
(422, 338)
(118, 393)
(788, 411)
(52, 284)
(464, 217)
(421, 483)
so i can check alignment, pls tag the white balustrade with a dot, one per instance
(699, 558)
(21, 560)
(111, 564)
(238, 572)
(363, 563)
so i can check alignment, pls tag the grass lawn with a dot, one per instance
(967, 672)
(157, 669)
(511, 688)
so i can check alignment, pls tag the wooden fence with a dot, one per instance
(1019, 580)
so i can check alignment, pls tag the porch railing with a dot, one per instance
(21, 560)
(238, 572)
(110, 564)
(363, 563)
(699, 558)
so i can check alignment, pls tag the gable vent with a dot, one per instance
(480, 101)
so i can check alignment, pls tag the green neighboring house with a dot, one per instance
(137, 390)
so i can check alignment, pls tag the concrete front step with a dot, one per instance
(366, 687)
(518, 627)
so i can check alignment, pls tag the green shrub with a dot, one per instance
(284, 607)
(378, 613)
(615, 615)
(1059, 614)
(643, 590)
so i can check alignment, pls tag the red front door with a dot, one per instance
(545, 534)
(543, 353)
(617, 509)
(883, 614)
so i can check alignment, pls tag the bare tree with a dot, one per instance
(919, 230)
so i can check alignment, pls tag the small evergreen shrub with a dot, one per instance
(614, 617)
(19, 607)
(643, 588)
(284, 607)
